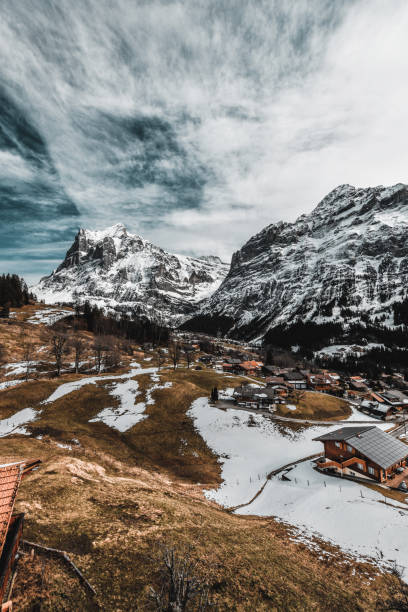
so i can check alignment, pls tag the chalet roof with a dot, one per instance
(10, 478)
(278, 380)
(294, 376)
(373, 443)
(344, 433)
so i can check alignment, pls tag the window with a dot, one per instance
(349, 448)
(371, 470)
(360, 466)
(337, 444)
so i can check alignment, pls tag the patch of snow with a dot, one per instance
(19, 367)
(66, 446)
(10, 383)
(127, 414)
(14, 423)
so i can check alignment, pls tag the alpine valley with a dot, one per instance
(345, 263)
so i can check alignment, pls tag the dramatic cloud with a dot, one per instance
(194, 123)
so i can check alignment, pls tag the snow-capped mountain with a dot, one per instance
(346, 260)
(115, 269)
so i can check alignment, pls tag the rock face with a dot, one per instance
(124, 272)
(346, 260)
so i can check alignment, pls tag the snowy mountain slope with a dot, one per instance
(121, 271)
(346, 259)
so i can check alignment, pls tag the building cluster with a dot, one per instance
(384, 398)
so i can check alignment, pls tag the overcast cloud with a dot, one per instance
(195, 123)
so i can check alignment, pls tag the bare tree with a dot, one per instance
(174, 352)
(181, 588)
(99, 351)
(101, 348)
(160, 358)
(112, 357)
(59, 348)
(78, 345)
(188, 354)
(28, 357)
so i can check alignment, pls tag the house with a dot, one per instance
(322, 382)
(250, 368)
(358, 385)
(271, 381)
(254, 396)
(377, 410)
(394, 398)
(364, 452)
(295, 380)
(11, 525)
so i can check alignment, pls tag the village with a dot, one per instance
(385, 398)
(285, 440)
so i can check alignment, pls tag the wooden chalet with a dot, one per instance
(377, 410)
(11, 525)
(394, 398)
(250, 367)
(295, 380)
(363, 452)
(254, 397)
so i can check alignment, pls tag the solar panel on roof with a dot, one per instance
(380, 447)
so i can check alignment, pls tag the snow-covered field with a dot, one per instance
(49, 316)
(122, 417)
(340, 511)
(346, 350)
(251, 446)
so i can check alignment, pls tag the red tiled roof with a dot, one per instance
(10, 478)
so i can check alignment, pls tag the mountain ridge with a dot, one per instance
(124, 272)
(346, 259)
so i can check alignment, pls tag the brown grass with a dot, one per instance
(111, 519)
(111, 500)
(319, 406)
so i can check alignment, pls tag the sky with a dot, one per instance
(194, 123)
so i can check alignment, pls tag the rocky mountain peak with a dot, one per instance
(125, 272)
(348, 258)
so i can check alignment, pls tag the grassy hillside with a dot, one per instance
(319, 406)
(111, 498)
